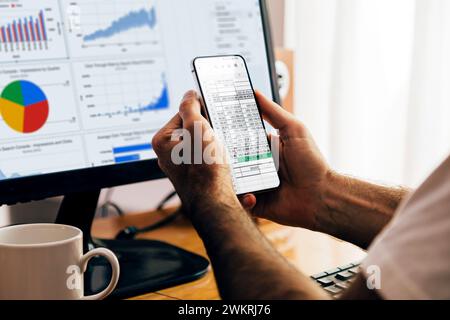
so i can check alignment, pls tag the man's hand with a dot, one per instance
(195, 181)
(313, 196)
(303, 173)
(245, 264)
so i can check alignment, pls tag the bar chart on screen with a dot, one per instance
(120, 146)
(30, 30)
(113, 27)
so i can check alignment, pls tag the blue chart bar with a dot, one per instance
(123, 153)
(130, 158)
(139, 147)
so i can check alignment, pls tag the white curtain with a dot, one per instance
(373, 83)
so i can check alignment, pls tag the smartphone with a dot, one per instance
(231, 108)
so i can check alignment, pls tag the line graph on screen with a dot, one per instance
(114, 27)
(132, 20)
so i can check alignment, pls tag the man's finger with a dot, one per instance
(175, 123)
(190, 109)
(273, 113)
(162, 138)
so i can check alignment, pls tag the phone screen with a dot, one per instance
(233, 112)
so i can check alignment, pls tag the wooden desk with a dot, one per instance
(310, 252)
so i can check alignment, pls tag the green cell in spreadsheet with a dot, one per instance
(255, 158)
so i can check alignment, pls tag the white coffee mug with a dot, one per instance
(46, 262)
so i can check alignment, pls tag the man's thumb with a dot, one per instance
(272, 112)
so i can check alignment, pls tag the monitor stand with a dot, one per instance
(146, 266)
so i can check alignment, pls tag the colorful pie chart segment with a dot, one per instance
(24, 106)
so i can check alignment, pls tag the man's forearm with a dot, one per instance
(246, 265)
(356, 211)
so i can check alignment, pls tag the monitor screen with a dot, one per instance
(87, 83)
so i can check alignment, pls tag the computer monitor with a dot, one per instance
(84, 86)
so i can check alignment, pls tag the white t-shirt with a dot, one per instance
(413, 252)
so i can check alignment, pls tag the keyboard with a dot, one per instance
(337, 280)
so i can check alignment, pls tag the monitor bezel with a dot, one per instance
(33, 188)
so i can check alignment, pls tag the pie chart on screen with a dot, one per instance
(24, 106)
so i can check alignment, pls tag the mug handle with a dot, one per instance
(112, 259)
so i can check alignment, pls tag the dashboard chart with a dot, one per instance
(122, 93)
(27, 158)
(37, 101)
(30, 30)
(130, 21)
(108, 27)
(120, 146)
(24, 106)
(87, 83)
